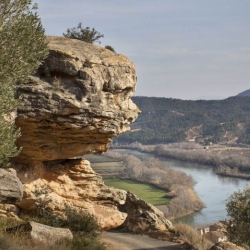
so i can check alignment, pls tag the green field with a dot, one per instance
(146, 192)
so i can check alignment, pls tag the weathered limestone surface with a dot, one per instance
(11, 188)
(72, 182)
(78, 100)
(42, 233)
(143, 216)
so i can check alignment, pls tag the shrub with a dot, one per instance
(84, 34)
(191, 236)
(239, 211)
(110, 48)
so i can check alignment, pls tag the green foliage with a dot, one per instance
(84, 34)
(166, 120)
(77, 221)
(238, 208)
(110, 48)
(22, 47)
(81, 221)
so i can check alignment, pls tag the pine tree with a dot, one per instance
(22, 48)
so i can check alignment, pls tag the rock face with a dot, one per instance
(142, 216)
(74, 183)
(11, 188)
(78, 100)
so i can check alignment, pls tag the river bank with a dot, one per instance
(178, 185)
(213, 189)
(236, 160)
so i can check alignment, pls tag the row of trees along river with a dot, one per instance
(214, 190)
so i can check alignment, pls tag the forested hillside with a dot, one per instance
(165, 120)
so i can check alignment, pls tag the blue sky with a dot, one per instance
(187, 49)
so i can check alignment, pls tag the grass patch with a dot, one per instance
(151, 194)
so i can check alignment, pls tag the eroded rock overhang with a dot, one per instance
(76, 102)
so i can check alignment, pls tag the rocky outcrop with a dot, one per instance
(74, 183)
(79, 99)
(11, 188)
(142, 216)
(42, 233)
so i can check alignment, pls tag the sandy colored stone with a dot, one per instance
(74, 183)
(70, 109)
(10, 211)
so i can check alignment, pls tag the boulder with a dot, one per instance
(11, 189)
(142, 216)
(42, 233)
(77, 101)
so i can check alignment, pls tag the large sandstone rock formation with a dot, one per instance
(79, 99)
(74, 183)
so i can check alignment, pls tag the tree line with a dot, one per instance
(167, 120)
(177, 184)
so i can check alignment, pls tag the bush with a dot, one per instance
(83, 222)
(191, 236)
(84, 34)
(110, 48)
(239, 210)
(23, 47)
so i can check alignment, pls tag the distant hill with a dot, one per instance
(165, 120)
(244, 93)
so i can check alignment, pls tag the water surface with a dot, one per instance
(214, 190)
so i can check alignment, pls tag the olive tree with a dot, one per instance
(238, 208)
(22, 47)
(84, 34)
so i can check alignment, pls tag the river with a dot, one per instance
(214, 190)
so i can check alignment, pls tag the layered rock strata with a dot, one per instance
(77, 101)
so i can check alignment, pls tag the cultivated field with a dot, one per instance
(110, 169)
(151, 194)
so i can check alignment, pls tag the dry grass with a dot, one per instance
(21, 241)
(191, 236)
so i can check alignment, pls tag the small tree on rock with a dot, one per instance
(84, 34)
(238, 208)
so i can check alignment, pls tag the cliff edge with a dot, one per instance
(76, 102)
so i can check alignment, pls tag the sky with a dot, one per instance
(186, 49)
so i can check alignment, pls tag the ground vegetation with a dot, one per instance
(167, 120)
(23, 46)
